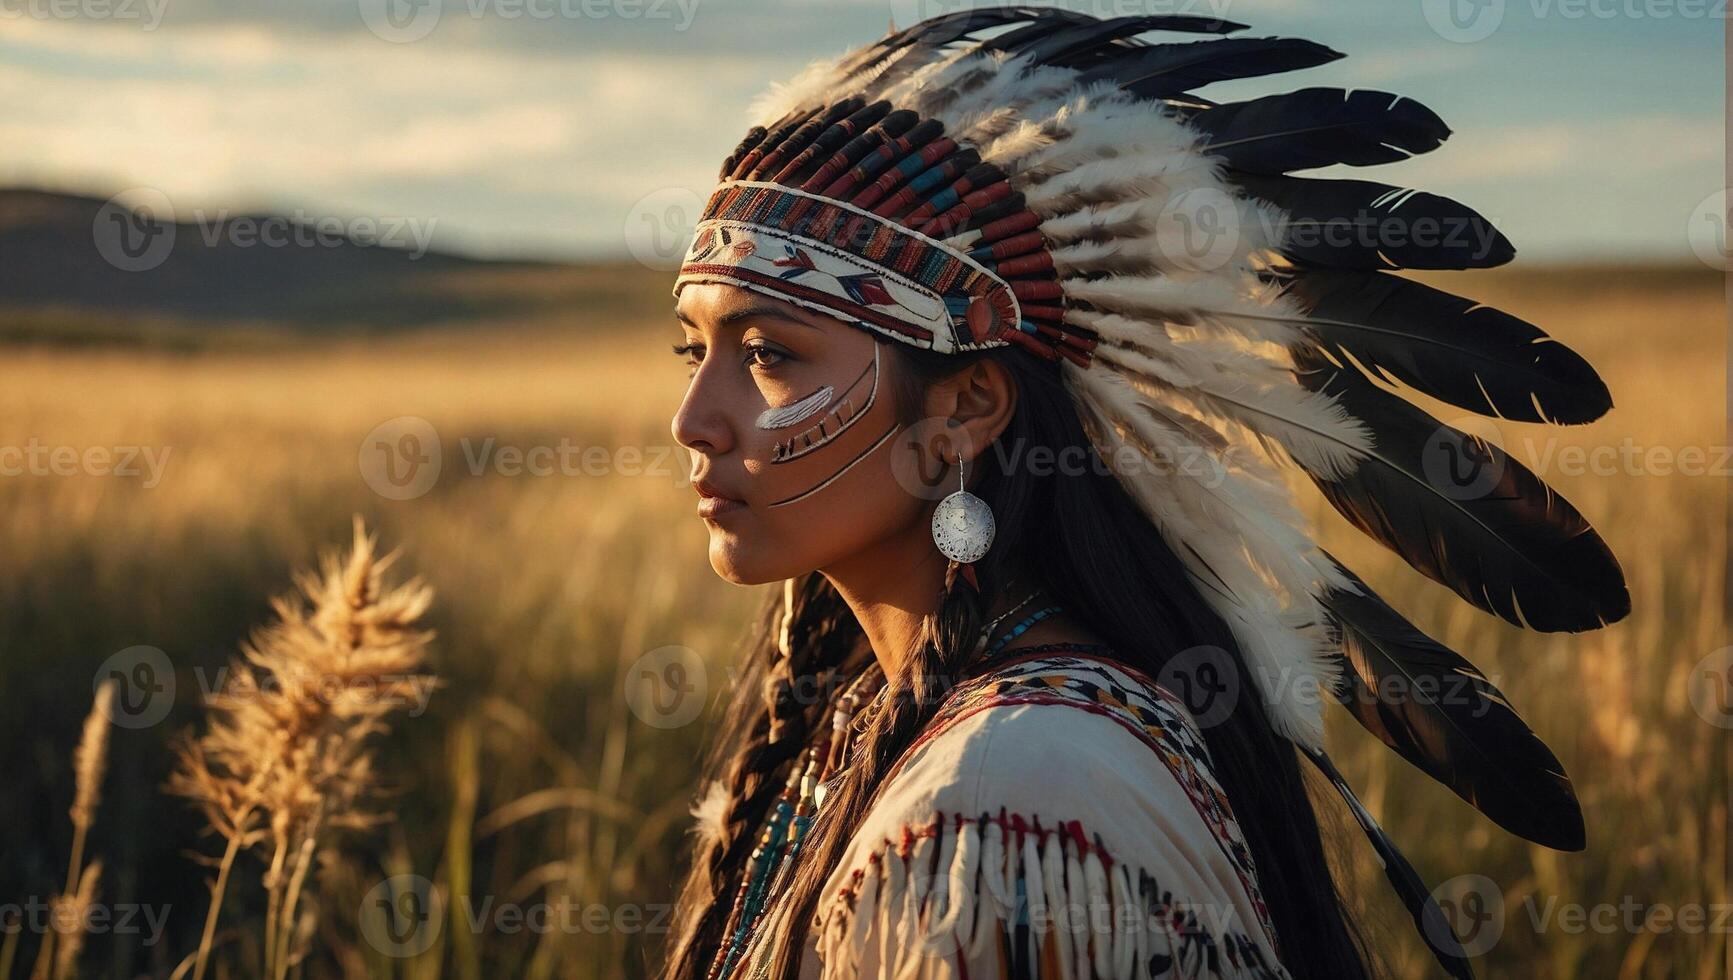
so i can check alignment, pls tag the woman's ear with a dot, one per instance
(976, 404)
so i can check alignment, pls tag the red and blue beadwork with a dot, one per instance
(873, 216)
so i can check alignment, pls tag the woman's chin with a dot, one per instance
(744, 561)
(732, 559)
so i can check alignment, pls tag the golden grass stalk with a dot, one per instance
(286, 758)
(71, 912)
(58, 955)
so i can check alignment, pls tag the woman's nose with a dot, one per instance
(701, 424)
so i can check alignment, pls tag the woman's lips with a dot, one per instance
(712, 504)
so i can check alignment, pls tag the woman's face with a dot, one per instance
(792, 424)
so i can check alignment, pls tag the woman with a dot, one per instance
(1050, 724)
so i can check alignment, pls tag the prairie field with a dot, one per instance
(558, 538)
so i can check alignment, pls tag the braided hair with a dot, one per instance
(802, 640)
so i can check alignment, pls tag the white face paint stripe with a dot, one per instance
(796, 412)
(838, 474)
(786, 451)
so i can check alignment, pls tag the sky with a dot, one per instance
(1586, 129)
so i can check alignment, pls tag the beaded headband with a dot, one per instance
(871, 216)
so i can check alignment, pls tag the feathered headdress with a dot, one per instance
(1044, 179)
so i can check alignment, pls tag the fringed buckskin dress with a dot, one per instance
(1057, 818)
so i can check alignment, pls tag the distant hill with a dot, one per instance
(81, 266)
(77, 269)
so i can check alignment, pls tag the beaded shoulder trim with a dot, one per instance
(1082, 677)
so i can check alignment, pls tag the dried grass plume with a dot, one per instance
(286, 758)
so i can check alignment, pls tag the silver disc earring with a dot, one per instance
(963, 524)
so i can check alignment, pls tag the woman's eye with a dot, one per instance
(693, 353)
(761, 356)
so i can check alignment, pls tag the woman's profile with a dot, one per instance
(1003, 343)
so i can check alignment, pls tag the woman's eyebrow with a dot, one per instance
(739, 314)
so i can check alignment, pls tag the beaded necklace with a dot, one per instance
(779, 844)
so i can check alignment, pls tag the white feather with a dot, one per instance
(709, 814)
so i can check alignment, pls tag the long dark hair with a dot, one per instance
(1110, 568)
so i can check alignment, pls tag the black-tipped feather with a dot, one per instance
(1084, 43)
(945, 29)
(1449, 347)
(1441, 713)
(1161, 70)
(1461, 511)
(1428, 917)
(1317, 127)
(1361, 224)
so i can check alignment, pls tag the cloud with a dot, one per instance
(528, 132)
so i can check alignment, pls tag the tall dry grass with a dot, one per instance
(287, 759)
(530, 782)
(57, 956)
